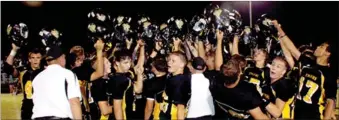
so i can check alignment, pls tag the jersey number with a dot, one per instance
(255, 81)
(312, 88)
(28, 89)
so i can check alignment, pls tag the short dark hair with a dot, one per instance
(160, 64)
(34, 51)
(328, 49)
(122, 55)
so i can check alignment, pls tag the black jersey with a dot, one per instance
(99, 90)
(284, 89)
(153, 87)
(311, 94)
(293, 75)
(330, 84)
(234, 103)
(122, 89)
(177, 91)
(256, 76)
(27, 78)
(84, 73)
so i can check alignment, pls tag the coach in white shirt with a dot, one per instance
(56, 90)
(201, 103)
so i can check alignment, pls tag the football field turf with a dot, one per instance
(10, 106)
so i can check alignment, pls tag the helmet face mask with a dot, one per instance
(177, 27)
(228, 21)
(99, 26)
(50, 37)
(18, 33)
(122, 31)
(265, 26)
(198, 26)
(147, 30)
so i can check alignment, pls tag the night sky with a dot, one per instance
(303, 22)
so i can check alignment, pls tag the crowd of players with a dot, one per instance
(118, 85)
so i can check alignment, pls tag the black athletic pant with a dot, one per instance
(27, 109)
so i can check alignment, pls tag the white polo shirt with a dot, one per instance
(201, 102)
(49, 96)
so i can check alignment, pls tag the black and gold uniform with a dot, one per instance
(311, 94)
(283, 89)
(292, 78)
(177, 91)
(84, 73)
(98, 90)
(315, 86)
(256, 76)
(99, 93)
(234, 103)
(121, 88)
(27, 77)
(293, 74)
(330, 83)
(153, 87)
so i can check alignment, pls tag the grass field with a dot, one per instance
(10, 106)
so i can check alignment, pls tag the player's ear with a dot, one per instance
(115, 64)
(284, 72)
(327, 53)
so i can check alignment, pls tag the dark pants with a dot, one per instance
(27, 109)
(52, 117)
(208, 117)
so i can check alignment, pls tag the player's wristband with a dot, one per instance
(13, 53)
